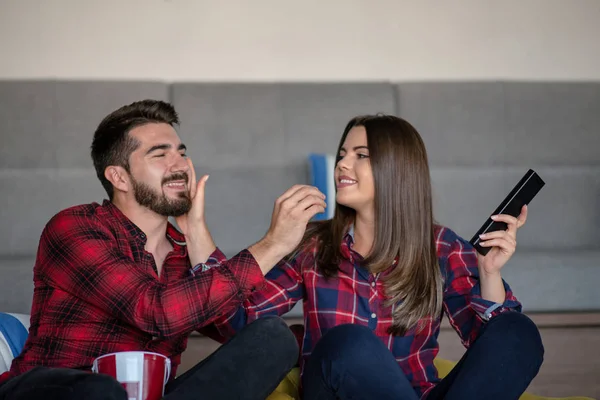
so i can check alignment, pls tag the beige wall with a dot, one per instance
(311, 40)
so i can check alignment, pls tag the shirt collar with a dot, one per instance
(347, 244)
(353, 256)
(351, 232)
(176, 238)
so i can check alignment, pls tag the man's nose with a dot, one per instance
(180, 164)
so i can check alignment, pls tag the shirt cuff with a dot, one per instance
(243, 266)
(488, 309)
(216, 259)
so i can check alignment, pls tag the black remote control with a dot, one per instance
(520, 195)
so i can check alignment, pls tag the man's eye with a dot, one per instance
(159, 155)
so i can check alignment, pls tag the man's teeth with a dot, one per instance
(175, 184)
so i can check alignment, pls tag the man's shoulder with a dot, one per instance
(80, 210)
(90, 214)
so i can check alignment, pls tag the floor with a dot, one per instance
(571, 362)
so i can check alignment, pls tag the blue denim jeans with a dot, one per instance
(350, 362)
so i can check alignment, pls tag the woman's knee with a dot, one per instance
(349, 342)
(351, 359)
(519, 331)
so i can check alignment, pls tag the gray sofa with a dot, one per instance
(254, 139)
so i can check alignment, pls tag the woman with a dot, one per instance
(376, 279)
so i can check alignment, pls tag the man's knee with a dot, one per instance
(275, 334)
(64, 384)
(98, 387)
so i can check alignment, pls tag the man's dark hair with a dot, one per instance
(112, 144)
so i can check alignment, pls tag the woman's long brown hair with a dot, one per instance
(404, 225)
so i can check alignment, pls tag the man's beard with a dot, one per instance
(159, 202)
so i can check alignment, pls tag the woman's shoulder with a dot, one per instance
(448, 241)
(307, 249)
(312, 236)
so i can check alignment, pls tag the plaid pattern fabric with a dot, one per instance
(357, 297)
(97, 291)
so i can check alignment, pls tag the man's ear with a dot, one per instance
(119, 178)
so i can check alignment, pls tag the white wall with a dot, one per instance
(314, 40)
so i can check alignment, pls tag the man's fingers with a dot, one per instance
(192, 184)
(312, 211)
(289, 193)
(309, 201)
(301, 194)
(199, 199)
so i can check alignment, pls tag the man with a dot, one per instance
(119, 277)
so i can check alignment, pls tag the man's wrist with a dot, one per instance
(267, 253)
(200, 245)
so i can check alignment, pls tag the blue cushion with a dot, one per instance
(14, 333)
(321, 176)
